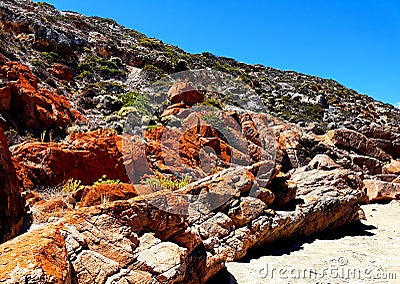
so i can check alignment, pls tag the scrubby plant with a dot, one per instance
(213, 103)
(50, 56)
(138, 101)
(95, 64)
(175, 54)
(72, 185)
(153, 72)
(105, 180)
(166, 182)
(150, 43)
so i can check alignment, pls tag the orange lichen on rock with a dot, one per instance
(45, 256)
(82, 156)
(30, 107)
(104, 193)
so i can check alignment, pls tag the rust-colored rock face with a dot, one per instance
(62, 72)
(182, 92)
(86, 157)
(11, 206)
(136, 241)
(104, 193)
(350, 139)
(30, 107)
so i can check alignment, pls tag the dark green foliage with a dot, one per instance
(151, 43)
(213, 102)
(50, 56)
(93, 65)
(138, 101)
(152, 73)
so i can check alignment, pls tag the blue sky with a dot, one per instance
(356, 42)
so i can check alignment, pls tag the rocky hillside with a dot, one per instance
(108, 177)
(94, 63)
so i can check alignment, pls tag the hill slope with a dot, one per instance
(105, 60)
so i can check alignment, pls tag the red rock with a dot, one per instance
(82, 156)
(392, 147)
(323, 162)
(11, 205)
(248, 209)
(62, 72)
(182, 92)
(5, 98)
(32, 197)
(34, 108)
(44, 255)
(174, 109)
(264, 194)
(368, 165)
(51, 205)
(103, 193)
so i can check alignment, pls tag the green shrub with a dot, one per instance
(153, 71)
(166, 182)
(150, 43)
(95, 64)
(50, 56)
(138, 101)
(213, 103)
(175, 54)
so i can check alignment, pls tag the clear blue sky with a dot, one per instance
(356, 42)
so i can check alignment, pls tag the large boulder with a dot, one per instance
(11, 205)
(139, 241)
(29, 107)
(82, 156)
(378, 190)
(352, 140)
(182, 92)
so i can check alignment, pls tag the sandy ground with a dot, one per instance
(359, 253)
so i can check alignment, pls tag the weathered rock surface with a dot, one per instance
(85, 157)
(182, 92)
(136, 239)
(11, 206)
(381, 190)
(62, 72)
(104, 193)
(351, 139)
(30, 107)
(358, 248)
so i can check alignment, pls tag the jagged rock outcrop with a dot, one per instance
(182, 92)
(11, 205)
(136, 240)
(29, 107)
(378, 190)
(85, 157)
(353, 140)
(253, 178)
(100, 51)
